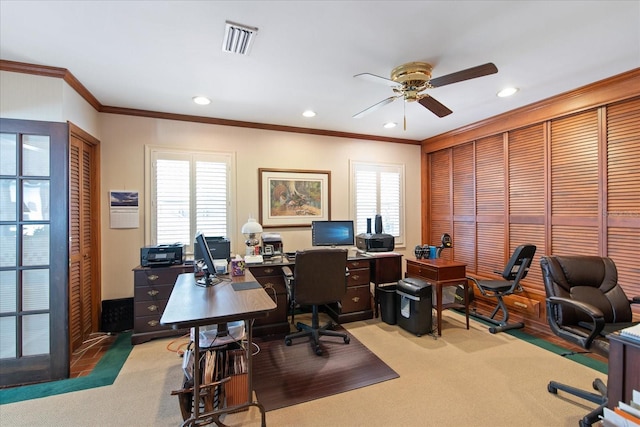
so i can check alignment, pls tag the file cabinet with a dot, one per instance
(152, 288)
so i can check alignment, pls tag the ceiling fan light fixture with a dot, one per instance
(390, 125)
(201, 100)
(309, 113)
(507, 91)
(238, 38)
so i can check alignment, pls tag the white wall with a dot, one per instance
(122, 143)
(49, 99)
(122, 156)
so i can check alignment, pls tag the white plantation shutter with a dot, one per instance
(189, 193)
(378, 189)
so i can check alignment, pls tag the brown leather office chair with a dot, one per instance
(515, 270)
(319, 277)
(584, 304)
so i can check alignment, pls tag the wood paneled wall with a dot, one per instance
(570, 184)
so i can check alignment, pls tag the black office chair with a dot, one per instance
(515, 270)
(319, 277)
(584, 304)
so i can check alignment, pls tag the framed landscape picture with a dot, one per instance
(294, 197)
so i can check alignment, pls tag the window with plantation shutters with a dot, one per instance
(378, 189)
(189, 193)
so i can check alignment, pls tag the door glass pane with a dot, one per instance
(7, 291)
(8, 147)
(35, 289)
(35, 334)
(7, 200)
(8, 245)
(35, 200)
(35, 244)
(35, 155)
(8, 337)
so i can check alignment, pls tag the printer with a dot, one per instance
(162, 255)
(377, 242)
(271, 245)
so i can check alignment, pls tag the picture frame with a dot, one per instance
(293, 197)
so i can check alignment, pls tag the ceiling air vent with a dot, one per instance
(238, 38)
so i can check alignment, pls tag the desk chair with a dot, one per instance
(515, 270)
(320, 277)
(584, 304)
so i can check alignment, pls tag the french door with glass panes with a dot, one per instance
(34, 255)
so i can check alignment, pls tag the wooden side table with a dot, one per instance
(441, 273)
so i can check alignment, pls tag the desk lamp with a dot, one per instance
(251, 230)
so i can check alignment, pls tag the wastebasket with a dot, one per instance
(387, 298)
(414, 305)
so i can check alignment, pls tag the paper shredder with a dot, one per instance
(414, 308)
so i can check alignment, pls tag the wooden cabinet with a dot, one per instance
(356, 304)
(152, 287)
(270, 276)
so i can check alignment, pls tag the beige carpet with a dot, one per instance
(464, 378)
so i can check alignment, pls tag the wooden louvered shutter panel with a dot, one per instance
(490, 184)
(75, 255)
(87, 274)
(574, 183)
(464, 225)
(526, 195)
(623, 192)
(440, 179)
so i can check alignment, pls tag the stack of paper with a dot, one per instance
(632, 332)
(623, 415)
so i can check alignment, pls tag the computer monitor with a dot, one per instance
(209, 278)
(332, 233)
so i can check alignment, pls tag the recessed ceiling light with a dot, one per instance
(309, 113)
(390, 125)
(201, 100)
(507, 91)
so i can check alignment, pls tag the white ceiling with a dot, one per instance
(157, 55)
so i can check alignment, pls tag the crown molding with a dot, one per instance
(63, 73)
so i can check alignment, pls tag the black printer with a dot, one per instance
(162, 255)
(378, 242)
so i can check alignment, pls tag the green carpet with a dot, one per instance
(103, 374)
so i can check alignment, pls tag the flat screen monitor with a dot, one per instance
(332, 233)
(209, 278)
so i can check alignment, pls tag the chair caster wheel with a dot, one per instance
(318, 351)
(552, 389)
(347, 340)
(492, 330)
(287, 341)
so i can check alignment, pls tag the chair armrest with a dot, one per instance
(634, 300)
(596, 315)
(288, 274)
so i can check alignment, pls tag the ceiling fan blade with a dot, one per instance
(434, 106)
(376, 79)
(375, 107)
(468, 74)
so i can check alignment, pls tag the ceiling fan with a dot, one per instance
(409, 80)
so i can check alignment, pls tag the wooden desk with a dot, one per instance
(624, 369)
(440, 273)
(192, 306)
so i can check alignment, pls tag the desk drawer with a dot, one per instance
(149, 324)
(432, 273)
(358, 277)
(358, 298)
(266, 270)
(356, 264)
(152, 292)
(278, 315)
(159, 276)
(149, 308)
